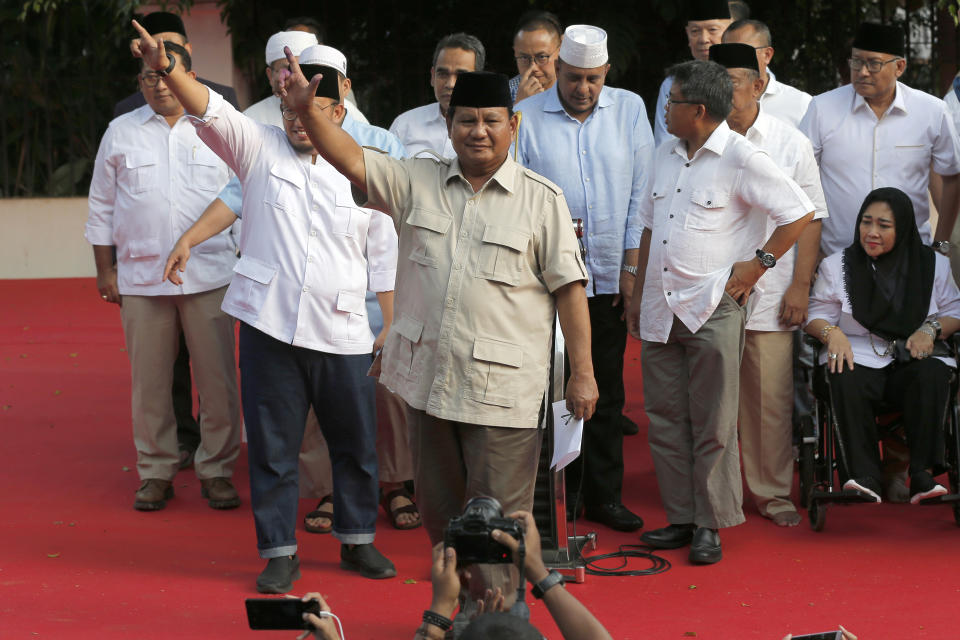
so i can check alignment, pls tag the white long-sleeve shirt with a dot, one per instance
(303, 273)
(150, 183)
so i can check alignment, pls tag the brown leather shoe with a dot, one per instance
(219, 493)
(153, 495)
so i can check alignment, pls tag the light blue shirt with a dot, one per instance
(364, 134)
(602, 166)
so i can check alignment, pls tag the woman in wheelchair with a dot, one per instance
(882, 307)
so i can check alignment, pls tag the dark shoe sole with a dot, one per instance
(279, 588)
(366, 572)
(658, 544)
(141, 505)
(706, 556)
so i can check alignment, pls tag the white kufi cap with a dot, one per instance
(296, 40)
(326, 56)
(584, 46)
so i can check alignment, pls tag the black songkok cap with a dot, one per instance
(708, 10)
(329, 87)
(481, 89)
(163, 22)
(883, 38)
(735, 55)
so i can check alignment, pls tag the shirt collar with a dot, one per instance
(898, 104)
(716, 143)
(505, 175)
(437, 114)
(145, 113)
(760, 126)
(773, 87)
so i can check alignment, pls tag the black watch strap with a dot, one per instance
(169, 69)
(540, 589)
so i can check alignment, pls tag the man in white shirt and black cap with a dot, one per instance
(152, 178)
(267, 111)
(425, 128)
(595, 143)
(298, 292)
(778, 99)
(878, 132)
(780, 297)
(704, 246)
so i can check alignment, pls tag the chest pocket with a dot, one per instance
(428, 231)
(142, 170)
(705, 212)
(502, 253)
(284, 189)
(206, 172)
(348, 219)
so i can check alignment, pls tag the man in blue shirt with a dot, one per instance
(595, 142)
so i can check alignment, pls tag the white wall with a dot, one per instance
(43, 238)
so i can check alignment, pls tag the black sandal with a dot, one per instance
(320, 512)
(385, 501)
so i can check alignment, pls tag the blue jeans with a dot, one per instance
(279, 382)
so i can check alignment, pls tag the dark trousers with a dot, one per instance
(600, 465)
(920, 388)
(188, 431)
(278, 383)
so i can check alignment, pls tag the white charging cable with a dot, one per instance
(330, 614)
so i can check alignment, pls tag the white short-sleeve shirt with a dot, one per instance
(423, 129)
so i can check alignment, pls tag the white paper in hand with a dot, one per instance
(567, 434)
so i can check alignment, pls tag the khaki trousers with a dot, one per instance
(766, 429)
(151, 327)
(691, 390)
(393, 448)
(454, 462)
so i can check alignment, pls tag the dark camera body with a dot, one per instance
(279, 613)
(469, 534)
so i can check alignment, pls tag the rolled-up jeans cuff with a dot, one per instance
(354, 538)
(278, 552)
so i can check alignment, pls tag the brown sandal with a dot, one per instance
(387, 498)
(320, 512)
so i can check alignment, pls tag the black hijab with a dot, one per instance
(890, 294)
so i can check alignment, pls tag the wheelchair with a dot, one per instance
(822, 449)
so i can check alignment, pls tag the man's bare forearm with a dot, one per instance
(215, 218)
(575, 323)
(808, 250)
(643, 256)
(103, 257)
(785, 236)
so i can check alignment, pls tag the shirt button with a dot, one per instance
(313, 232)
(457, 266)
(584, 152)
(449, 302)
(664, 268)
(463, 234)
(687, 165)
(678, 190)
(654, 194)
(668, 292)
(315, 185)
(309, 258)
(305, 289)
(664, 242)
(469, 202)
(586, 179)
(671, 215)
(708, 202)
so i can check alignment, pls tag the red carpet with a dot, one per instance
(77, 561)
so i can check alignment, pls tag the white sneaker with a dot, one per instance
(861, 485)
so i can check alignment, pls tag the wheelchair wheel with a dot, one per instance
(817, 511)
(808, 452)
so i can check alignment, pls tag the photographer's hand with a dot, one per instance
(323, 628)
(446, 581)
(533, 567)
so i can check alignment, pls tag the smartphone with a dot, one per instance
(279, 613)
(823, 635)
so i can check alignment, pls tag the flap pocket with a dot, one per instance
(255, 269)
(134, 159)
(506, 236)
(346, 200)
(409, 328)
(432, 220)
(293, 177)
(203, 156)
(144, 248)
(497, 351)
(351, 302)
(710, 199)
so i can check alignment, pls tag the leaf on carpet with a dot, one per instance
(53, 555)
(409, 581)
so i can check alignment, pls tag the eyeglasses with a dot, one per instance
(873, 66)
(541, 59)
(150, 80)
(291, 115)
(672, 101)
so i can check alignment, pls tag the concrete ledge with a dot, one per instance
(43, 238)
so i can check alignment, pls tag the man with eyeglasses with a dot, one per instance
(595, 143)
(706, 22)
(704, 245)
(778, 99)
(878, 132)
(536, 43)
(298, 291)
(425, 128)
(153, 177)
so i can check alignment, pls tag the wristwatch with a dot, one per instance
(941, 246)
(165, 72)
(936, 326)
(629, 268)
(768, 260)
(540, 589)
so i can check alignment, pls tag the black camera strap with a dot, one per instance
(520, 608)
